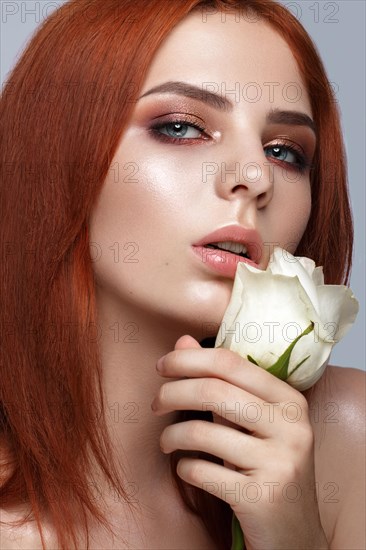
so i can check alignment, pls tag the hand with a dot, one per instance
(261, 431)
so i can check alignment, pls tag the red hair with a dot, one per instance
(63, 111)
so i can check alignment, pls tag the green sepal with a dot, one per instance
(280, 368)
(236, 535)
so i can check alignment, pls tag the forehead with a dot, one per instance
(230, 53)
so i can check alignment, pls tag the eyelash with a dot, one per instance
(301, 164)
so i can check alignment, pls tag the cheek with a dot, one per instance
(133, 222)
(133, 198)
(290, 214)
(298, 217)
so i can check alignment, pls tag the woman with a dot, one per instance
(118, 162)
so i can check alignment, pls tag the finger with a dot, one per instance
(228, 485)
(245, 452)
(185, 342)
(229, 366)
(218, 396)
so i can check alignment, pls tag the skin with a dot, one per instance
(162, 304)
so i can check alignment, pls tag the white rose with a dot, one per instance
(285, 319)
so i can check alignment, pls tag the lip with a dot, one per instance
(226, 262)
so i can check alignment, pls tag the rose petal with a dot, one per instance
(286, 264)
(307, 379)
(269, 309)
(318, 276)
(339, 308)
(275, 309)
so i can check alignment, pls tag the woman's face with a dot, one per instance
(187, 166)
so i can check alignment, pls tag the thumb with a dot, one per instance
(185, 342)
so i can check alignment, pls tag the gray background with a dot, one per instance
(338, 29)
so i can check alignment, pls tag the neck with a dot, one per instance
(131, 342)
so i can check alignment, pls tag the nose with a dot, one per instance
(245, 173)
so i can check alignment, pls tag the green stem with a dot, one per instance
(237, 535)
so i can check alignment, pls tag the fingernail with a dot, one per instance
(159, 364)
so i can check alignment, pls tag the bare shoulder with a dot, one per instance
(344, 378)
(23, 536)
(337, 412)
(337, 407)
(342, 393)
(12, 537)
(348, 382)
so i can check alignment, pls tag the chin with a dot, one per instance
(204, 322)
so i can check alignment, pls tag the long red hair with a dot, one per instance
(63, 111)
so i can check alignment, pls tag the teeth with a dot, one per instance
(236, 248)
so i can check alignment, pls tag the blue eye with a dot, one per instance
(281, 153)
(287, 154)
(178, 131)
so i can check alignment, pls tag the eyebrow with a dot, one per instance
(217, 101)
(291, 118)
(190, 90)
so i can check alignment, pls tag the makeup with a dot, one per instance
(220, 261)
